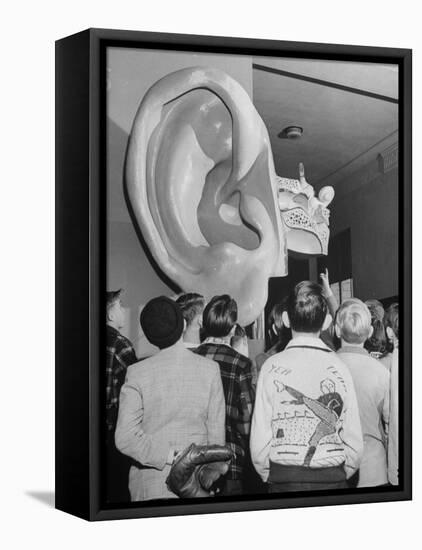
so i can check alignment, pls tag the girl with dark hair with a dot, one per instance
(391, 321)
(278, 334)
(377, 344)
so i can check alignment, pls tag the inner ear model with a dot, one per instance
(201, 183)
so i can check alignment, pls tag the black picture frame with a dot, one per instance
(80, 267)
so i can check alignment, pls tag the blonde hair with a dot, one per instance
(354, 321)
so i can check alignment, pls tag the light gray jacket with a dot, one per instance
(168, 401)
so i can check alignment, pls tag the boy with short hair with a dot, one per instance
(239, 341)
(192, 306)
(219, 322)
(372, 384)
(306, 432)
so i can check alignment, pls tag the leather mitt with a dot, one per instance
(197, 468)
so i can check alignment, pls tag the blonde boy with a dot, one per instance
(371, 381)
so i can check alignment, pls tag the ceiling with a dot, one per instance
(343, 128)
(350, 113)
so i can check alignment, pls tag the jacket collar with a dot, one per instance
(308, 342)
(175, 348)
(353, 349)
(190, 345)
(216, 342)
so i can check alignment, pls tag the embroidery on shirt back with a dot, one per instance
(306, 429)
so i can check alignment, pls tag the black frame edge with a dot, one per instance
(405, 373)
(72, 417)
(248, 46)
(83, 51)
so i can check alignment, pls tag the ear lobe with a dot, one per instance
(327, 322)
(285, 319)
(390, 333)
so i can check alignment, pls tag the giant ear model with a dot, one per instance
(199, 176)
(201, 183)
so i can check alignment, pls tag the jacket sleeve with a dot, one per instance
(385, 413)
(332, 305)
(130, 437)
(216, 411)
(261, 432)
(351, 433)
(393, 447)
(125, 354)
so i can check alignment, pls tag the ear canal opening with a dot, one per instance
(231, 213)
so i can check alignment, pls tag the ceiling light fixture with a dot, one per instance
(291, 132)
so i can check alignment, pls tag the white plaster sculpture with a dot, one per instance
(202, 187)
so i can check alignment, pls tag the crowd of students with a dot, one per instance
(317, 410)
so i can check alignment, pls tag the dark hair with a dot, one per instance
(191, 304)
(278, 341)
(391, 318)
(306, 307)
(112, 297)
(162, 322)
(220, 316)
(377, 343)
(376, 308)
(276, 318)
(239, 334)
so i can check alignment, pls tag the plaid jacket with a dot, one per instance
(120, 354)
(236, 375)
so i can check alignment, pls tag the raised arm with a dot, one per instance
(328, 293)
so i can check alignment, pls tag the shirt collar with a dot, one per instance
(190, 345)
(216, 341)
(308, 342)
(353, 349)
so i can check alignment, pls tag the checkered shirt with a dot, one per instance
(120, 354)
(236, 375)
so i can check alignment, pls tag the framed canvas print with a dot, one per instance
(233, 274)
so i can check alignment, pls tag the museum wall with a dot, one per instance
(367, 203)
